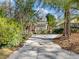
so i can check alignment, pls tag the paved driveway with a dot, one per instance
(38, 47)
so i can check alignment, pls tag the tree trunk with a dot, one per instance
(49, 28)
(67, 31)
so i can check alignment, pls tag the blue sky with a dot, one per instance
(12, 1)
(1, 1)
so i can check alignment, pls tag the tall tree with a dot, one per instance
(66, 5)
(51, 22)
(24, 8)
(23, 12)
(7, 7)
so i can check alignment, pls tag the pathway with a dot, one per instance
(41, 47)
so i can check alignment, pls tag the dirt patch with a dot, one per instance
(72, 44)
(5, 52)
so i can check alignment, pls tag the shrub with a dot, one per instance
(51, 23)
(58, 31)
(10, 32)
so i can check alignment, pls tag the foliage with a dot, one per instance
(10, 32)
(24, 13)
(24, 7)
(51, 22)
(64, 4)
(2, 13)
(58, 31)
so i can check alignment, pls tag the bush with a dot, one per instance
(58, 31)
(10, 32)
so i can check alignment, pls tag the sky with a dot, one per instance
(48, 9)
(1, 1)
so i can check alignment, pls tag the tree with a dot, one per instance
(51, 22)
(24, 13)
(2, 12)
(24, 8)
(66, 5)
(7, 7)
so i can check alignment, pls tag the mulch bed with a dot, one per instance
(71, 44)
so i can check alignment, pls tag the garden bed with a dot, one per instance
(72, 44)
(5, 52)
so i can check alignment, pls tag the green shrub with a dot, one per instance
(10, 32)
(58, 31)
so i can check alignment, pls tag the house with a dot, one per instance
(41, 25)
